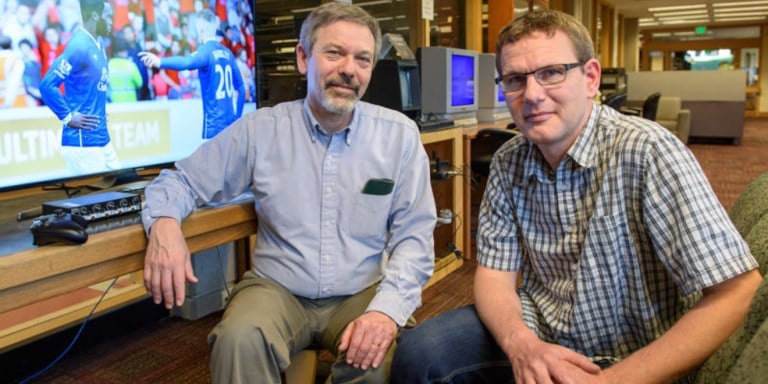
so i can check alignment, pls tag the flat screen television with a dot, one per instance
(492, 105)
(154, 131)
(395, 84)
(449, 84)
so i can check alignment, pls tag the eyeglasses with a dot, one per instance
(549, 75)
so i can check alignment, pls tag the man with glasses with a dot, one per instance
(603, 254)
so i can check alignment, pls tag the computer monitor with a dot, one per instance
(492, 106)
(449, 79)
(395, 84)
(152, 132)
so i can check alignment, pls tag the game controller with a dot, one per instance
(59, 228)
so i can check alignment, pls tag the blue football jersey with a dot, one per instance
(219, 79)
(83, 68)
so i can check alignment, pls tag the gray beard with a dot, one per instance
(327, 101)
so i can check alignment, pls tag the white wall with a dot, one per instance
(689, 85)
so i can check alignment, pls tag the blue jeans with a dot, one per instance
(454, 347)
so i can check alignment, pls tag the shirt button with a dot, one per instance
(328, 190)
(326, 289)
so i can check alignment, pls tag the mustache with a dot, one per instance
(344, 81)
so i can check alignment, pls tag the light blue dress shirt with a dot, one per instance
(319, 235)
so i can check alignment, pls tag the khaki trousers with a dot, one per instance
(264, 325)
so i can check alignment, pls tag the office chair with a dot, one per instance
(485, 144)
(650, 107)
(616, 100)
(671, 115)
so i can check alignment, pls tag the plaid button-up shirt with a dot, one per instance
(616, 243)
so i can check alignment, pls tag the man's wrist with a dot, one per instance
(67, 119)
(383, 313)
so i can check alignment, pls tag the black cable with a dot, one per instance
(77, 336)
(68, 190)
(458, 225)
(452, 245)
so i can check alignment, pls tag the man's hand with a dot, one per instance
(81, 121)
(150, 59)
(167, 264)
(534, 361)
(367, 338)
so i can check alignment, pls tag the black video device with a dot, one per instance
(96, 206)
(59, 228)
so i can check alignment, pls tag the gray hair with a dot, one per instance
(548, 21)
(332, 12)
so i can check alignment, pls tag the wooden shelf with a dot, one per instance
(447, 145)
(443, 267)
(38, 326)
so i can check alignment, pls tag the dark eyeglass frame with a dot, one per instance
(537, 74)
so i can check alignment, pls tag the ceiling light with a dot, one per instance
(732, 10)
(725, 10)
(680, 13)
(739, 3)
(692, 17)
(375, 2)
(740, 19)
(676, 8)
(665, 22)
(303, 10)
(742, 14)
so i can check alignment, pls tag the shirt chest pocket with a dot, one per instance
(368, 217)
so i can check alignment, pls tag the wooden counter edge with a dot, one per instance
(49, 271)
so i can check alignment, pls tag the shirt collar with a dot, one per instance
(314, 129)
(534, 165)
(95, 40)
(584, 150)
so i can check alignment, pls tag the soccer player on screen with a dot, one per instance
(82, 68)
(222, 87)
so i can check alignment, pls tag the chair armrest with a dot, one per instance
(632, 111)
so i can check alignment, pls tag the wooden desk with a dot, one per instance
(31, 274)
(45, 272)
